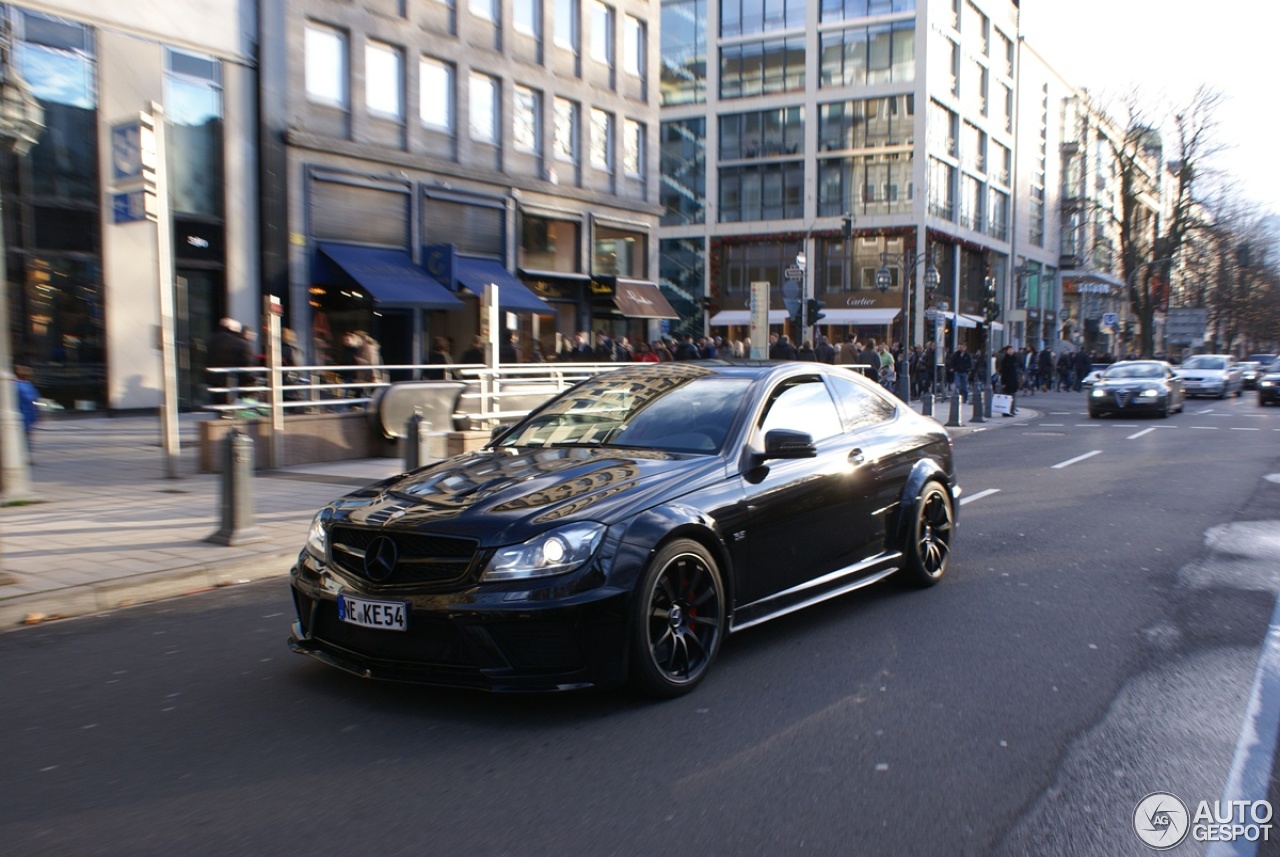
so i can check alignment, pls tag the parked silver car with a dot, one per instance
(1217, 375)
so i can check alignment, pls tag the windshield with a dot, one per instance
(1135, 370)
(683, 409)
(1204, 363)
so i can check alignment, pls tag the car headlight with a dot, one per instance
(1265, 383)
(553, 552)
(318, 535)
(1098, 391)
(1149, 393)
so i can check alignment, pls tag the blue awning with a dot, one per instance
(390, 277)
(513, 295)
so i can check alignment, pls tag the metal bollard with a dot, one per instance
(926, 403)
(417, 442)
(955, 419)
(237, 493)
(977, 406)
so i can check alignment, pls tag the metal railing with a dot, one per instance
(248, 392)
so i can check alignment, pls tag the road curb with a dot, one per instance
(127, 591)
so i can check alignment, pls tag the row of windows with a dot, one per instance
(762, 68)
(866, 56)
(327, 76)
(867, 123)
(437, 109)
(526, 18)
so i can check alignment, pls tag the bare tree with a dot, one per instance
(1158, 197)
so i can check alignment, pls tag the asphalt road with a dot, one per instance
(1095, 640)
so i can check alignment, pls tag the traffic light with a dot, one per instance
(814, 311)
(848, 227)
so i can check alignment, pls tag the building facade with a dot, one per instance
(83, 282)
(782, 120)
(421, 152)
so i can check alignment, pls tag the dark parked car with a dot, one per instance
(1269, 385)
(1135, 387)
(1254, 367)
(625, 528)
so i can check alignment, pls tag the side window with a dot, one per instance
(861, 407)
(802, 404)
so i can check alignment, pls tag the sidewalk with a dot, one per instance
(109, 529)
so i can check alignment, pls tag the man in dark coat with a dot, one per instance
(1083, 365)
(1009, 378)
(783, 349)
(228, 349)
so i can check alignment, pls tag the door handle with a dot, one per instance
(856, 456)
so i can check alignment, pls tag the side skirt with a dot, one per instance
(828, 586)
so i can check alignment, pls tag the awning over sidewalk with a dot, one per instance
(880, 316)
(389, 276)
(513, 295)
(640, 299)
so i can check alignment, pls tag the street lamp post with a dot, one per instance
(21, 120)
(884, 279)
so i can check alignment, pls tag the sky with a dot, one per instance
(1168, 48)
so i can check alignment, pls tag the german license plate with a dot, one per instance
(386, 615)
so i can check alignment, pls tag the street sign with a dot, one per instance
(791, 289)
(1110, 319)
(931, 314)
(795, 272)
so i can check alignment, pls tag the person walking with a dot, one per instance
(962, 368)
(1009, 369)
(508, 349)
(228, 349)
(439, 356)
(1082, 366)
(783, 349)
(848, 353)
(28, 395)
(1046, 369)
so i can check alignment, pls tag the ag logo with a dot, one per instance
(1160, 820)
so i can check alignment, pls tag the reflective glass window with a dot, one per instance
(435, 101)
(683, 162)
(384, 80)
(684, 52)
(193, 102)
(484, 108)
(326, 65)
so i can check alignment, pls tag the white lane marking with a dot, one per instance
(1237, 428)
(1206, 428)
(1088, 425)
(1137, 435)
(971, 497)
(1052, 425)
(1077, 459)
(1256, 746)
(1061, 413)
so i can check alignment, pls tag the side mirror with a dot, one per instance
(499, 432)
(785, 443)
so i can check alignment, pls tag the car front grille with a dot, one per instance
(420, 560)
(1122, 397)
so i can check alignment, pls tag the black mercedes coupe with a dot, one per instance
(621, 531)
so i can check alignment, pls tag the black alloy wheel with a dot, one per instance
(929, 534)
(679, 620)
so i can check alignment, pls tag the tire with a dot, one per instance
(1164, 412)
(1093, 415)
(928, 538)
(679, 620)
